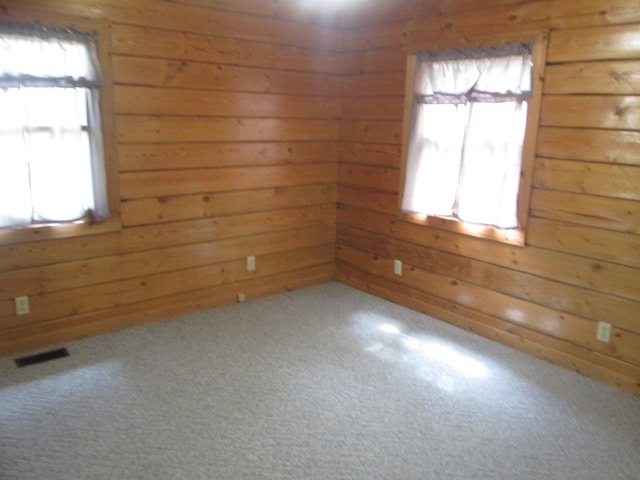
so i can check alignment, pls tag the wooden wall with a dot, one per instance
(581, 262)
(226, 125)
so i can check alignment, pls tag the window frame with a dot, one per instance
(512, 236)
(44, 231)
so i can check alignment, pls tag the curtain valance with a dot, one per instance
(36, 57)
(485, 75)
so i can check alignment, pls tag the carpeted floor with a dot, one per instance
(321, 383)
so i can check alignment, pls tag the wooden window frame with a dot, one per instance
(13, 235)
(512, 236)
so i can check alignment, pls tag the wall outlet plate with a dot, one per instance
(251, 263)
(397, 267)
(22, 305)
(604, 332)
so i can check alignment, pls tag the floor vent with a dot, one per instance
(42, 357)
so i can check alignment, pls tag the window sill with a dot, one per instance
(50, 231)
(509, 236)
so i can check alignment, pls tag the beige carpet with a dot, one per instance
(321, 383)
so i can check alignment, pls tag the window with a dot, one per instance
(467, 119)
(51, 165)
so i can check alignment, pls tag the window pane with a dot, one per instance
(491, 164)
(51, 168)
(46, 163)
(437, 153)
(57, 174)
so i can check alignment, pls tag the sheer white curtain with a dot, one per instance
(467, 128)
(51, 157)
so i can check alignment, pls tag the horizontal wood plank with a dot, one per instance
(375, 84)
(159, 72)
(617, 181)
(615, 247)
(379, 178)
(370, 154)
(170, 209)
(611, 77)
(608, 146)
(591, 111)
(173, 129)
(171, 101)
(590, 210)
(17, 282)
(383, 60)
(179, 182)
(583, 13)
(383, 35)
(596, 43)
(164, 44)
(384, 202)
(373, 108)
(169, 156)
(492, 25)
(372, 131)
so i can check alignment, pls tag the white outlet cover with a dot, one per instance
(604, 332)
(22, 305)
(397, 267)
(251, 263)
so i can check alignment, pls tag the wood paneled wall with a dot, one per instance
(581, 262)
(227, 124)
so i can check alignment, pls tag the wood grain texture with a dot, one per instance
(185, 74)
(171, 129)
(598, 366)
(611, 112)
(593, 145)
(147, 211)
(489, 302)
(590, 210)
(172, 156)
(180, 182)
(579, 263)
(618, 181)
(170, 101)
(562, 267)
(226, 141)
(173, 45)
(611, 77)
(560, 296)
(597, 43)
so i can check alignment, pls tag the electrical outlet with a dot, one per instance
(397, 267)
(22, 305)
(604, 332)
(241, 297)
(251, 263)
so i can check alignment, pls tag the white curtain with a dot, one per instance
(51, 156)
(467, 127)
